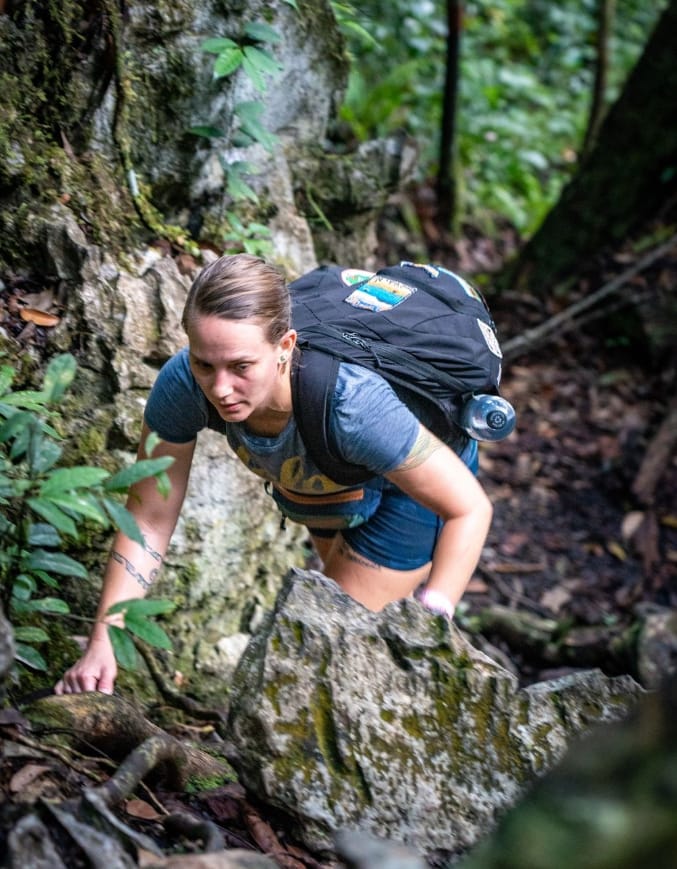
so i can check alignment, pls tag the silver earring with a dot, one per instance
(283, 358)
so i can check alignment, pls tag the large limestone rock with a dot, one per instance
(392, 723)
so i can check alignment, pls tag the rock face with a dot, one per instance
(392, 723)
(135, 89)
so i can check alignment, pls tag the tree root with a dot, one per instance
(174, 697)
(116, 727)
(551, 643)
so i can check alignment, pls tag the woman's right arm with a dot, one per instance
(132, 568)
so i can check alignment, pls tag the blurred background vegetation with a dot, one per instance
(528, 72)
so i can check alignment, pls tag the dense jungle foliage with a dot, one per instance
(527, 71)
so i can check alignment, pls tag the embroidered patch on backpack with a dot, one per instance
(491, 339)
(380, 294)
(355, 276)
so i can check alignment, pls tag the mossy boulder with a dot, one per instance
(393, 723)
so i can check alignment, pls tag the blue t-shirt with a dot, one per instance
(370, 426)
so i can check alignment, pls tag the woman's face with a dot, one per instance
(237, 368)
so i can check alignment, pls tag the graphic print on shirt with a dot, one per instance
(293, 474)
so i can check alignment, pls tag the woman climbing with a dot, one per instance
(417, 526)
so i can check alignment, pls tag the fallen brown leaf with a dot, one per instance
(40, 318)
(141, 809)
(555, 598)
(27, 774)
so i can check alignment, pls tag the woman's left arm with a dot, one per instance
(438, 479)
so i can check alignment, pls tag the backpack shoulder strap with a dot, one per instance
(313, 383)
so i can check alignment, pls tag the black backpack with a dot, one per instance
(426, 330)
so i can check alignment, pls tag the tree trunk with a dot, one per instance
(605, 14)
(627, 178)
(446, 186)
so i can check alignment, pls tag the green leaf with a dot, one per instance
(123, 647)
(207, 132)
(55, 562)
(14, 488)
(123, 520)
(361, 32)
(30, 657)
(53, 515)
(240, 139)
(232, 218)
(43, 605)
(35, 445)
(227, 62)
(148, 631)
(83, 505)
(249, 112)
(67, 479)
(260, 59)
(164, 485)
(46, 578)
(59, 376)
(125, 478)
(239, 189)
(261, 32)
(6, 378)
(23, 587)
(49, 455)
(254, 73)
(152, 441)
(16, 423)
(143, 606)
(29, 634)
(28, 399)
(21, 443)
(217, 44)
(41, 534)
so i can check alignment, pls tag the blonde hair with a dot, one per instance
(241, 287)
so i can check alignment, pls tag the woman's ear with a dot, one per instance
(288, 342)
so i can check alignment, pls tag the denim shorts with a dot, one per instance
(401, 534)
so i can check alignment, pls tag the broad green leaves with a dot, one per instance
(137, 621)
(45, 506)
(249, 54)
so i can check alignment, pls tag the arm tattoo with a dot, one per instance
(132, 571)
(152, 552)
(424, 446)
